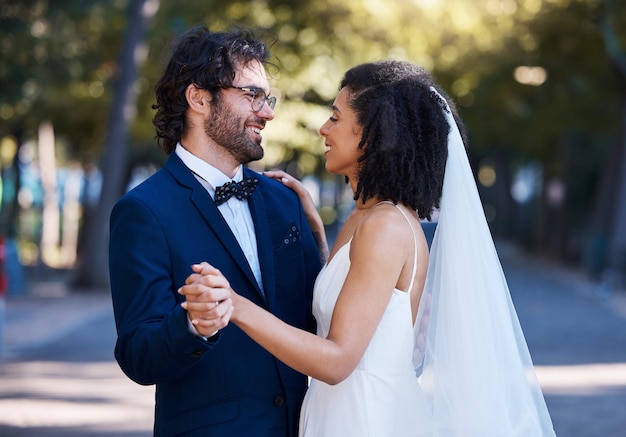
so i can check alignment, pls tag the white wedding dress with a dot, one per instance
(382, 397)
(477, 377)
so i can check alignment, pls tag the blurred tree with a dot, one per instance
(52, 68)
(579, 112)
(90, 272)
(560, 126)
(609, 219)
(57, 58)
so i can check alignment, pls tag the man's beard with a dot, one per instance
(225, 129)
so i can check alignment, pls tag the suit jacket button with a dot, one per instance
(279, 401)
(197, 354)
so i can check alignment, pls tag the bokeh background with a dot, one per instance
(540, 85)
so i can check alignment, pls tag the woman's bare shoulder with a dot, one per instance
(384, 224)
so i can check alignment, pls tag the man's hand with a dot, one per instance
(208, 299)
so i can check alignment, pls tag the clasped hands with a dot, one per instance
(208, 297)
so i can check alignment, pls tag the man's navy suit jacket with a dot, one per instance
(229, 386)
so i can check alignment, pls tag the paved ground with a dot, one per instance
(58, 377)
(576, 332)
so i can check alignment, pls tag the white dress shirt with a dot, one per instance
(236, 212)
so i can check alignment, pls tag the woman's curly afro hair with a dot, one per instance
(405, 133)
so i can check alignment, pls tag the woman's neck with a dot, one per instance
(369, 204)
(359, 203)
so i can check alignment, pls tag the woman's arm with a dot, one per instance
(377, 253)
(310, 211)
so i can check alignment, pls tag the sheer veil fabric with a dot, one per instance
(476, 370)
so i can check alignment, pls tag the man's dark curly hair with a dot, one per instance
(207, 59)
(405, 133)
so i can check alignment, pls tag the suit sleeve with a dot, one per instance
(154, 344)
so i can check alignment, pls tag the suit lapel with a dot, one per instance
(206, 207)
(263, 241)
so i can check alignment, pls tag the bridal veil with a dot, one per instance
(476, 370)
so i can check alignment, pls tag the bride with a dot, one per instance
(405, 345)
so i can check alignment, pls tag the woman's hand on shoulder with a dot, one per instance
(310, 211)
(289, 181)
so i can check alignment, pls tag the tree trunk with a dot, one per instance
(504, 223)
(617, 248)
(10, 214)
(50, 227)
(607, 248)
(92, 269)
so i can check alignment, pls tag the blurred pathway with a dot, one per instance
(576, 334)
(58, 377)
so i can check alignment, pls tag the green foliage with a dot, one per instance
(59, 59)
(63, 56)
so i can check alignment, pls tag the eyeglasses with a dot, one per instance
(258, 97)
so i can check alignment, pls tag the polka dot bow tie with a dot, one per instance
(241, 190)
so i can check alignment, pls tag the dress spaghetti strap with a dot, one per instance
(414, 243)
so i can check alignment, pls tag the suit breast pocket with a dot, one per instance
(292, 251)
(289, 257)
(289, 266)
(289, 248)
(291, 237)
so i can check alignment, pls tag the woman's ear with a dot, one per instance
(199, 100)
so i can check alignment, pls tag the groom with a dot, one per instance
(212, 103)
